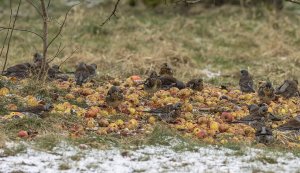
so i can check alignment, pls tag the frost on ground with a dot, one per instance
(65, 158)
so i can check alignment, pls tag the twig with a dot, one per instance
(11, 14)
(49, 2)
(57, 53)
(68, 57)
(10, 36)
(113, 13)
(37, 9)
(24, 30)
(292, 1)
(61, 26)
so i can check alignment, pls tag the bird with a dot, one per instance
(264, 135)
(152, 83)
(38, 60)
(266, 92)
(81, 73)
(288, 89)
(153, 74)
(114, 96)
(19, 70)
(53, 71)
(180, 85)
(167, 113)
(92, 69)
(37, 57)
(253, 109)
(165, 70)
(246, 82)
(195, 84)
(62, 77)
(256, 114)
(264, 112)
(39, 109)
(168, 81)
(293, 124)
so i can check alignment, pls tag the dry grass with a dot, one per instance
(222, 39)
(3, 139)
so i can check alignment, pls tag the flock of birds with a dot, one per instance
(258, 116)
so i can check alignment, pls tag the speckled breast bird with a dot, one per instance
(81, 74)
(195, 84)
(288, 89)
(258, 116)
(246, 82)
(152, 83)
(19, 70)
(114, 97)
(165, 70)
(264, 111)
(293, 124)
(39, 109)
(264, 135)
(168, 113)
(266, 92)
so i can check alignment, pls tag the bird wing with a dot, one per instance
(273, 117)
(283, 87)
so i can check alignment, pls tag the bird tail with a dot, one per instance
(282, 128)
(18, 110)
(275, 118)
(153, 112)
(235, 122)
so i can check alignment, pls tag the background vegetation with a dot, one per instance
(196, 39)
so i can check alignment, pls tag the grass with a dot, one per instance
(222, 39)
(266, 160)
(13, 151)
(47, 142)
(64, 166)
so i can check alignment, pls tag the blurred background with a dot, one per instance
(211, 39)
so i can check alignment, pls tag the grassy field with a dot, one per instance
(224, 39)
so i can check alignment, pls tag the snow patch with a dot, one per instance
(147, 159)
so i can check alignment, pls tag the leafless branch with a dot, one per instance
(10, 36)
(6, 36)
(49, 2)
(23, 30)
(113, 13)
(59, 50)
(61, 27)
(293, 1)
(37, 8)
(68, 57)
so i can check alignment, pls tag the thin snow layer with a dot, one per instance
(148, 159)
